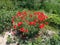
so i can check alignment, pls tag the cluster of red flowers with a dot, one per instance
(23, 30)
(41, 17)
(32, 23)
(41, 26)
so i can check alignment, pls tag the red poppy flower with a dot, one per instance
(22, 29)
(32, 23)
(20, 23)
(14, 26)
(41, 26)
(18, 13)
(41, 17)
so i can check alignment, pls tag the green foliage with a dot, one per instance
(30, 4)
(6, 4)
(55, 40)
(54, 20)
(15, 4)
(52, 6)
(9, 39)
(5, 20)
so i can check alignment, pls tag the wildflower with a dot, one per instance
(20, 23)
(22, 29)
(32, 23)
(41, 17)
(18, 13)
(41, 26)
(14, 26)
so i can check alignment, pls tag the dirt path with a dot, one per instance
(4, 39)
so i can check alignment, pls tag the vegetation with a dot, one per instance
(9, 8)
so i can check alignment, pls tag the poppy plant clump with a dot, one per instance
(29, 23)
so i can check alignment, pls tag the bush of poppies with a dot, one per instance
(28, 24)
